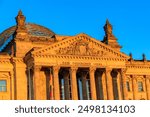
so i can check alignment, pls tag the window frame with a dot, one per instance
(140, 86)
(3, 87)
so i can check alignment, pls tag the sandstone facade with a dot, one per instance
(36, 63)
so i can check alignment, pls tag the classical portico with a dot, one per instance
(73, 83)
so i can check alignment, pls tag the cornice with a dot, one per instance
(17, 60)
(138, 66)
(88, 39)
(5, 59)
(79, 57)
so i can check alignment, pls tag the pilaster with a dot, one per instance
(148, 87)
(135, 89)
(12, 85)
(20, 79)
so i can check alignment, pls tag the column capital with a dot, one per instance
(108, 70)
(56, 68)
(73, 68)
(92, 68)
(147, 77)
(123, 70)
(134, 77)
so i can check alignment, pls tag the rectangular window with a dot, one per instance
(128, 86)
(3, 86)
(140, 86)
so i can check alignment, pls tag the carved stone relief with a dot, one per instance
(80, 47)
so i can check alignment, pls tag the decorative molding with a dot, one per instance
(79, 57)
(4, 75)
(73, 68)
(85, 40)
(108, 70)
(123, 70)
(138, 66)
(17, 60)
(93, 68)
(80, 47)
(56, 68)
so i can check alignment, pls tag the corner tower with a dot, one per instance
(109, 38)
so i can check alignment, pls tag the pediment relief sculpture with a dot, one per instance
(80, 47)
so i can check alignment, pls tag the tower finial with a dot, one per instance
(144, 57)
(107, 21)
(108, 27)
(109, 38)
(20, 19)
(131, 58)
(20, 12)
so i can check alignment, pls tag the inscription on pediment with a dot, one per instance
(80, 47)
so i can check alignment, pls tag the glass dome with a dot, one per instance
(32, 29)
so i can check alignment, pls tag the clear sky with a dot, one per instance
(130, 19)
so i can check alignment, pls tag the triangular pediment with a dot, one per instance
(80, 45)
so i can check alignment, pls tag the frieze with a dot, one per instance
(80, 47)
(77, 57)
(65, 63)
(17, 60)
(81, 64)
(97, 64)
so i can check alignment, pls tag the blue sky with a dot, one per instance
(130, 19)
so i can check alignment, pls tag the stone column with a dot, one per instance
(73, 71)
(148, 87)
(56, 82)
(36, 81)
(92, 83)
(135, 88)
(110, 95)
(123, 81)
